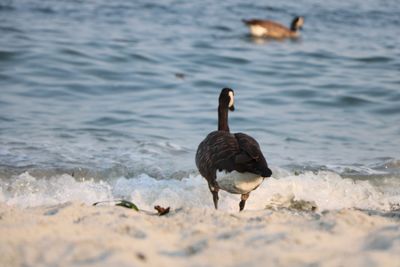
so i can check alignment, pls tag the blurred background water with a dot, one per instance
(107, 89)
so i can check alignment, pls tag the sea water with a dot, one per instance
(104, 100)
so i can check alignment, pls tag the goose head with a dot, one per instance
(297, 24)
(226, 99)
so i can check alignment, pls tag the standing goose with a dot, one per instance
(267, 28)
(231, 162)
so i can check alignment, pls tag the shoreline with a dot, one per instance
(75, 234)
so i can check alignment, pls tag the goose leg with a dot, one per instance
(243, 201)
(214, 191)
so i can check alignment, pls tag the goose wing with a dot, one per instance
(250, 158)
(268, 28)
(249, 147)
(217, 152)
(268, 24)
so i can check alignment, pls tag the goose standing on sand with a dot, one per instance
(267, 28)
(231, 162)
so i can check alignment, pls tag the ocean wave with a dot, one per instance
(328, 190)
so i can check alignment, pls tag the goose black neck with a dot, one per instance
(223, 119)
(293, 25)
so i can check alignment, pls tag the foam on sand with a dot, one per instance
(327, 190)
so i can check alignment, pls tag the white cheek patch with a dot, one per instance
(231, 101)
(300, 22)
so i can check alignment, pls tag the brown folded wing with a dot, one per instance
(275, 29)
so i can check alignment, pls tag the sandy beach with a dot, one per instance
(76, 234)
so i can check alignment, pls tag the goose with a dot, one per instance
(232, 162)
(268, 28)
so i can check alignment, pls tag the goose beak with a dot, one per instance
(232, 108)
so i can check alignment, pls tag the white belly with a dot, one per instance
(258, 31)
(238, 183)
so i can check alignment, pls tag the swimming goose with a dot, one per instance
(231, 162)
(267, 28)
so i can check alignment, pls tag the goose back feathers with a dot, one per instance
(223, 151)
(271, 29)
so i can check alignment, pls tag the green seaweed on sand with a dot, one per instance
(121, 203)
(127, 204)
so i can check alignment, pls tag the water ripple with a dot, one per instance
(111, 121)
(85, 78)
(7, 56)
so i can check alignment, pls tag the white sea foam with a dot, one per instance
(26, 190)
(328, 190)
